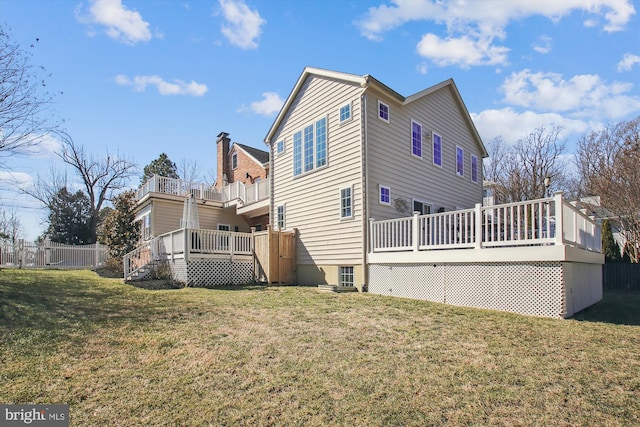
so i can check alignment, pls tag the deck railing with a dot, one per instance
(548, 221)
(246, 194)
(187, 242)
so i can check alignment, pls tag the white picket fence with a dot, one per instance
(23, 254)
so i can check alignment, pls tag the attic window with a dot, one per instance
(280, 146)
(234, 161)
(383, 111)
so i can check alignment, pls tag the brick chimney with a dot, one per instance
(223, 163)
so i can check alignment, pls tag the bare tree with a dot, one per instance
(10, 226)
(518, 173)
(45, 187)
(100, 176)
(608, 163)
(188, 170)
(23, 101)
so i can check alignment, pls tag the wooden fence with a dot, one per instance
(275, 256)
(621, 276)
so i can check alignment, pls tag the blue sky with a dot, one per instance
(144, 77)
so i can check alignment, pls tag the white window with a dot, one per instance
(421, 207)
(345, 113)
(384, 195)
(346, 276)
(280, 146)
(234, 161)
(459, 161)
(310, 147)
(383, 111)
(437, 149)
(146, 227)
(280, 217)
(474, 168)
(416, 139)
(346, 203)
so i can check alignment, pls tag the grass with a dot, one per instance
(120, 355)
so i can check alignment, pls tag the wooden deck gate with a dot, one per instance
(275, 256)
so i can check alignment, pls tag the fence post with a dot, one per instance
(415, 231)
(557, 201)
(477, 235)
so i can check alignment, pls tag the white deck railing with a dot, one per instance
(548, 221)
(236, 191)
(187, 242)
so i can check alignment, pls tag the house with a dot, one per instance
(377, 192)
(346, 148)
(236, 202)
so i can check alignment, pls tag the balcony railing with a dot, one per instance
(185, 243)
(548, 221)
(237, 191)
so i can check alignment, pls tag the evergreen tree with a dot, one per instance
(161, 166)
(610, 247)
(69, 218)
(119, 231)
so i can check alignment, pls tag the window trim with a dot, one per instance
(474, 160)
(234, 159)
(351, 273)
(299, 152)
(435, 135)
(284, 216)
(414, 122)
(351, 207)
(348, 119)
(460, 151)
(380, 188)
(280, 147)
(388, 119)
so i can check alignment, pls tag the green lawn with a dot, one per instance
(121, 355)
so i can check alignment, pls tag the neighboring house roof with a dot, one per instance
(365, 82)
(260, 156)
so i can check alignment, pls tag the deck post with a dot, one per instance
(477, 233)
(415, 231)
(557, 201)
(371, 235)
(186, 243)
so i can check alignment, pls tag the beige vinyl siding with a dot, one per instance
(313, 199)
(391, 163)
(166, 215)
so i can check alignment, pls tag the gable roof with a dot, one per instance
(366, 81)
(260, 156)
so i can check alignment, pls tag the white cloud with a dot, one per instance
(542, 45)
(243, 26)
(513, 125)
(176, 87)
(16, 179)
(585, 95)
(627, 62)
(463, 51)
(270, 105)
(473, 26)
(47, 146)
(122, 24)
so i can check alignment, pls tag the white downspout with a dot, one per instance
(365, 197)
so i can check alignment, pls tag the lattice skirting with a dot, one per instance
(212, 272)
(548, 289)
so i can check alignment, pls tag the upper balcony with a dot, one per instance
(244, 197)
